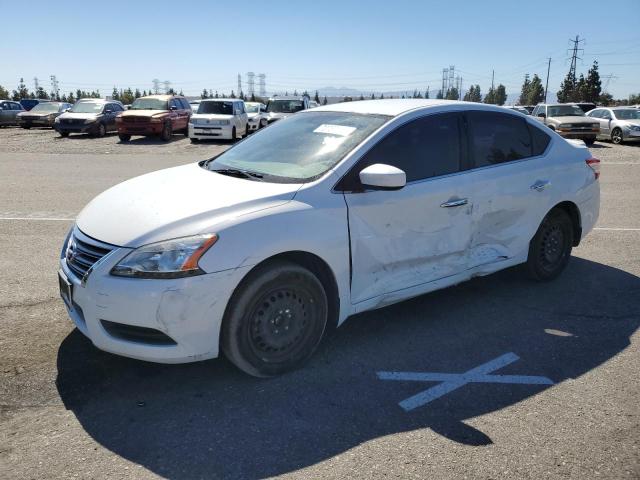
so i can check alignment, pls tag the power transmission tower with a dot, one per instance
(36, 86)
(445, 77)
(546, 87)
(452, 74)
(156, 86)
(239, 84)
(251, 86)
(167, 86)
(609, 77)
(574, 55)
(262, 83)
(54, 85)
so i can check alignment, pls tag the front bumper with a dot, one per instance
(188, 310)
(75, 128)
(140, 128)
(34, 123)
(590, 134)
(629, 134)
(210, 131)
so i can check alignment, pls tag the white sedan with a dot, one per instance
(334, 211)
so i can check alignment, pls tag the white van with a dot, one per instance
(221, 118)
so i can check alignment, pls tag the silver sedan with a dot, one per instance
(619, 124)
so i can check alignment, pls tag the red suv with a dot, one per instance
(155, 115)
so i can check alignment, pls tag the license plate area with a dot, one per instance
(66, 288)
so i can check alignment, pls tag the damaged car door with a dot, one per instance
(421, 232)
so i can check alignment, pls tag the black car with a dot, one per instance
(93, 116)
(29, 103)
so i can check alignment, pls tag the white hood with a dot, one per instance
(79, 116)
(211, 116)
(175, 202)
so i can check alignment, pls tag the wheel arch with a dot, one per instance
(316, 265)
(574, 214)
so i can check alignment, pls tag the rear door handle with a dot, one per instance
(455, 203)
(540, 185)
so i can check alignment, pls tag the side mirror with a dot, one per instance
(384, 177)
(542, 115)
(108, 110)
(173, 107)
(67, 109)
(263, 109)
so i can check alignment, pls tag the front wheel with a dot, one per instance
(101, 131)
(124, 137)
(616, 136)
(550, 248)
(589, 141)
(64, 134)
(234, 135)
(166, 133)
(274, 320)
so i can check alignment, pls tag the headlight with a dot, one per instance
(156, 119)
(564, 125)
(595, 125)
(170, 259)
(90, 120)
(635, 128)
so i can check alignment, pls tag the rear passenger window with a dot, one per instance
(539, 140)
(424, 148)
(498, 138)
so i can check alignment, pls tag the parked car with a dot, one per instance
(29, 103)
(256, 113)
(194, 104)
(219, 118)
(9, 110)
(43, 114)
(568, 120)
(529, 108)
(618, 124)
(154, 115)
(517, 108)
(282, 107)
(337, 210)
(93, 116)
(584, 106)
(313, 104)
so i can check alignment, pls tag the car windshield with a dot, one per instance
(87, 107)
(565, 111)
(627, 114)
(220, 108)
(149, 104)
(252, 107)
(299, 148)
(285, 106)
(46, 107)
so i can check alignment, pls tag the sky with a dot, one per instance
(372, 46)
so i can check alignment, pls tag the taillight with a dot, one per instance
(594, 164)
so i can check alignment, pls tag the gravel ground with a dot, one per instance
(68, 410)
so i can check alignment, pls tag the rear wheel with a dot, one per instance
(194, 140)
(275, 319)
(589, 141)
(616, 136)
(64, 134)
(124, 137)
(167, 132)
(550, 248)
(101, 130)
(234, 135)
(26, 127)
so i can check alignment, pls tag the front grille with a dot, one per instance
(30, 119)
(73, 121)
(82, 253)
(129, 119)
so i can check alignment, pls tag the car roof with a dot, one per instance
(97, 100)
(221, 100)
(396, 106)
(161, 97)
(288, 97)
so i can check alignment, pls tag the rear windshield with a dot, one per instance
(149, 104)
(285, 106)
(220, 108)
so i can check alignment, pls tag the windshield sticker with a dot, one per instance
(340, 130)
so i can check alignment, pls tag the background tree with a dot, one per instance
(634, 99)
(606, 99)
(21, 92)
(535, 94)
(137, 93)
(253, 97)
(41, 93)
(524, 91)
(361, 97)
(4, 93)
(490, 97)
(452, 94)
(440, 95)
(426, 93)
(233, 94)
(71, 98)
(115, 95)
(500, 95)
(473, 95)
(127, 97)
(592, 85)
(567, 90)
(324, 100)
(316, 98)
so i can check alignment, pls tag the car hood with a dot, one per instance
(29, 113)
(212, 116)
(569, 119)
(278, 115)
(252, 115)
(79, 116)
(175, 202)
(142, 113)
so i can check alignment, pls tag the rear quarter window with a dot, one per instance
(539, 140)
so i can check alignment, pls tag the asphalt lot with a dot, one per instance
(68, 410)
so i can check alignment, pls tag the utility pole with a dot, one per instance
(54, 86)
(546, 87)
(493, 73)
(167, 86)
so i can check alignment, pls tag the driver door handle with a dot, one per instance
(455, 203)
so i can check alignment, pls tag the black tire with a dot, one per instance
(263, 123)
(589, 141)
(101, 130)
(124, 137)
(274, 320)
(195, 140)
(64, 134)
(246, 130)
(616, 136)
(550, 248)
(26, 127)
(167, 132)
(234, 135)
